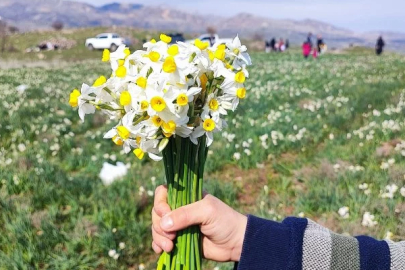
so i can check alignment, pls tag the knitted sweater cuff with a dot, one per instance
(266, 245)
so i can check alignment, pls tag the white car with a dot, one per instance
(105, 41)
(214, 40)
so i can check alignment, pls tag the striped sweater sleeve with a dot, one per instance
(297, 244)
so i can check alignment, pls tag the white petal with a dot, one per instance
(193, 91)
(183, 132)
(155, 157)
(194, 140)
(127, 147)
(110, 134)
(198, 132)
(210, 138)
(236, 42)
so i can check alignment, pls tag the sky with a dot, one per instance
(357, 15)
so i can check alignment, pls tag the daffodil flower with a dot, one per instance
(87, 95)
(207, 127)
(215, 107)
(239, 52)
(123, 134)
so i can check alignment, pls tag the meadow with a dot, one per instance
(323, 139)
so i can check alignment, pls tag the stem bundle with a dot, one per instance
(184, 168)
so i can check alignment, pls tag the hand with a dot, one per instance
(222, 227)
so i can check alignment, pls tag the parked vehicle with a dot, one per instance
(105, 41)
(176, 37)
(214, 40)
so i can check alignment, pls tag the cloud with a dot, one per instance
(359, 15)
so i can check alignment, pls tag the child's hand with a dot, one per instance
(222, 227)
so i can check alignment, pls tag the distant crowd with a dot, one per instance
(309, 48)
(276, 46)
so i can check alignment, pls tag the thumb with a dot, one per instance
(193, 214)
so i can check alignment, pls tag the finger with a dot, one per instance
(156, 248)
(156, 226)
(161, 241)
(161, 206)
(193, 214)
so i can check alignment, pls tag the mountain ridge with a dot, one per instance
(40, 14)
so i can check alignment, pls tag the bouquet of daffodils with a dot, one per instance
(167, 102)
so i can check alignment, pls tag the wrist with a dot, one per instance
(239, 236)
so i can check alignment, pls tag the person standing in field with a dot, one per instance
(320, 43)
(306, 49)
(281, 45)
(267, 46)
(379, 46)
(273, 44)
(309, 40)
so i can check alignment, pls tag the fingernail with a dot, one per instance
(166, 222)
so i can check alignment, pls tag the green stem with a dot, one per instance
(192, 256)
(184, 168)
(186, 143)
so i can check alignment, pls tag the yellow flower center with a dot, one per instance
(121, 72)
(236, 51)
(157, 121)
(169, 66)
(241, 93)
(142, 82)
(138, 140)
(139, 153)
(169, 127)
(121, 62)
(153, 40)
(106, 55)
(182, 100)
(220, 54)
(100, 81)
(127, 52)
(144, 105)
(74, 98)
(209, 125)
(123, 132)
(158, 104)
(125, 98)
(211, 55)
(154, 56)
(240, 77)
(214, 105)
(165, 38)
(221, 47)
(173, 50)
(201, 45)
(117, 140)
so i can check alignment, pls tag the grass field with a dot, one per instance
(312, 137)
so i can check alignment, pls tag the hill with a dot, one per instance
(39, 14)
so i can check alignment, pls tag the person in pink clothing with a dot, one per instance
(315, 53)
(306, 49)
